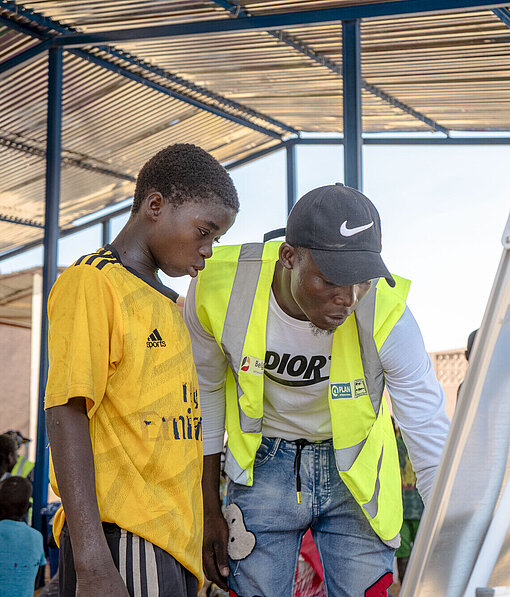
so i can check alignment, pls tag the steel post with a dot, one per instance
(51, 234)
(291, 175)
(351, 74)
(105, 232)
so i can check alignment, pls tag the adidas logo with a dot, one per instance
(155, 340)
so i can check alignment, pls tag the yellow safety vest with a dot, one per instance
(23, 467)
(232, 297)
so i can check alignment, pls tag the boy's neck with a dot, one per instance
(133, 251)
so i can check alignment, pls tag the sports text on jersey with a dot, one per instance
(155, 340)
(296, 366)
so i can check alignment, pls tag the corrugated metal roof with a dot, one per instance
(452, 68)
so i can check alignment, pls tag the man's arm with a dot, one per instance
(417, 399)
(215, 526)
(68, 432)
(211, 371)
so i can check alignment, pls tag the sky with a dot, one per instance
(443, 212)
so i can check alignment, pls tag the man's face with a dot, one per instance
(324, 304)
(182, 236)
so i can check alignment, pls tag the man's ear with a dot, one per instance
(287, 255)
(153, 205)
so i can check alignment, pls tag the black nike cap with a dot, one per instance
(342, 229)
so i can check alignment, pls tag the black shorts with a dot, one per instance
(147, 570)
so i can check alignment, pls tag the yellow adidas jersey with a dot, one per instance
(118, 341)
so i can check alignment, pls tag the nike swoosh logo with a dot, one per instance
(344, 231)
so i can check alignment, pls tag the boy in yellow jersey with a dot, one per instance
(123, 416)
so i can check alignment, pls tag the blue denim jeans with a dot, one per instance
(353, 557)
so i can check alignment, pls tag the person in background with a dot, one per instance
(8, 455)
(23, 467)
(21, 547)
(412, 506)
(469, 348)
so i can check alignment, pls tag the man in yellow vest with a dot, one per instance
(23, 467)
(293, 344)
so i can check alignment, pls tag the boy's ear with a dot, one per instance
(287, 255)
(153, 205)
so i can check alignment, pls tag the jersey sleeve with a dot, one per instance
(85, 337)
(417, 399)
(211, 372)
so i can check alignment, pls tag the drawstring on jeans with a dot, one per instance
(300, 444)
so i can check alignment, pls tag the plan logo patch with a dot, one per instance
(341, 390)
(252, 365)
(360, 388)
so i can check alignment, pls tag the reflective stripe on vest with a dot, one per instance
(237, 318)
(372, 368)
(23, 467)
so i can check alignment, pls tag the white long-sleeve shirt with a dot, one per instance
(296, 382)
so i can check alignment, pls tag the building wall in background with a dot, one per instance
(450, 367)
(15, 379)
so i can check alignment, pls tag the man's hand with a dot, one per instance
(215, 526)
(99, 584)
(215, 549)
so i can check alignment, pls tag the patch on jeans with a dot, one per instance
(241, 542)
(380, 588)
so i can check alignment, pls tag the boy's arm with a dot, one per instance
(68, 432)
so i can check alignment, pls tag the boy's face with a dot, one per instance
(182, 236)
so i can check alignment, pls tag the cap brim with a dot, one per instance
(351, 267)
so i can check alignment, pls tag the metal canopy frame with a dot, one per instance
(278, 21)
(54, 37)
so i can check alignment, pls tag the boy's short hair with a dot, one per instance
(182, 173)
(15, 494)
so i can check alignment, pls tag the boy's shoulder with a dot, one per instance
(102, 260)
(90, 269)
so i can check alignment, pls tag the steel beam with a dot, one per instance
(22, 221)
(170, 92)
(243, 113)
(267, 151)
(379, 10)
(51, 233)
(106, 218)
(255, 156)
(32, 52)
(66, 232)
(409, 141)
(65, 160)
(503, 14)
(351, 73)
(291, 176)
(322, 60)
